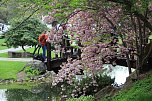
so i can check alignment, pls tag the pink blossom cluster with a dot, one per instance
(82, 24)
(93, 55)
(67, 72)
(55, 36)
(48, 19)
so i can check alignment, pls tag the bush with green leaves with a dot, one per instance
(83, 98)
(31, 72)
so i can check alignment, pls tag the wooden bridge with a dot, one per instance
(54, 63)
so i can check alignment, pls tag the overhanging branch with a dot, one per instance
(137, 14)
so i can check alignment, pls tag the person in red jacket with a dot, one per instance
(42, 40)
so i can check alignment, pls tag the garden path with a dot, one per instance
(13, 49)
(15, 59)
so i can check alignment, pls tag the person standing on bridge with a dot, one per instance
(42, 40)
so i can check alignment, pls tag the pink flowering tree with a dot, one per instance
(93, 24)
(83, 25)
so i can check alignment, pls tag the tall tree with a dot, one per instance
(26, 34)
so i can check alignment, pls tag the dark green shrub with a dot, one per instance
(103, 81)
(90, 86)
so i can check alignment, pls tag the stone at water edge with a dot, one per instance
(21, 76)
(109, 90)
(36, 64)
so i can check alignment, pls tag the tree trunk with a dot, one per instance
(39, 49)
(128, 63)
(127, 56)
(23, 48)
(35, 49)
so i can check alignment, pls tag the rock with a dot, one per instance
(21, 76)
(36, 64)
(109, 90)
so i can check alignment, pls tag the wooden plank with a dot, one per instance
(48, 56)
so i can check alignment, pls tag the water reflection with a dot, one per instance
(41, 93)
(120, 73)
(3, 95)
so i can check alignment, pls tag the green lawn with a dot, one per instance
(5, 55)
(31, 50)
(10, 69)
(2, 44)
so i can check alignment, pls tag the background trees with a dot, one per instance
(26, 34)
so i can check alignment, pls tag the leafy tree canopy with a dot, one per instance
(26, 34)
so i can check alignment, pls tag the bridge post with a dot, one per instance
(48, 56)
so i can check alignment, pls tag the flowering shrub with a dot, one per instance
(68, 72)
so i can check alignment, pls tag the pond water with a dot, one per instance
(120, 73)
(44, 92)
(41, 93)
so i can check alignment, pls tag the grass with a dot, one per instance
(4, 55)
(2, 44)
(10, 69)
(140, 91)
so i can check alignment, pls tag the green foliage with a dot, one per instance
(101, 81)
(135, 5)
(104, 37)
(31, 72)
(83, 98)
(77, 3)
(26, 34)
(141, 91)
(3, 15)
(2, 44)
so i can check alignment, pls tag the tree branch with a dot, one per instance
(136, 13)
(148, 54)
